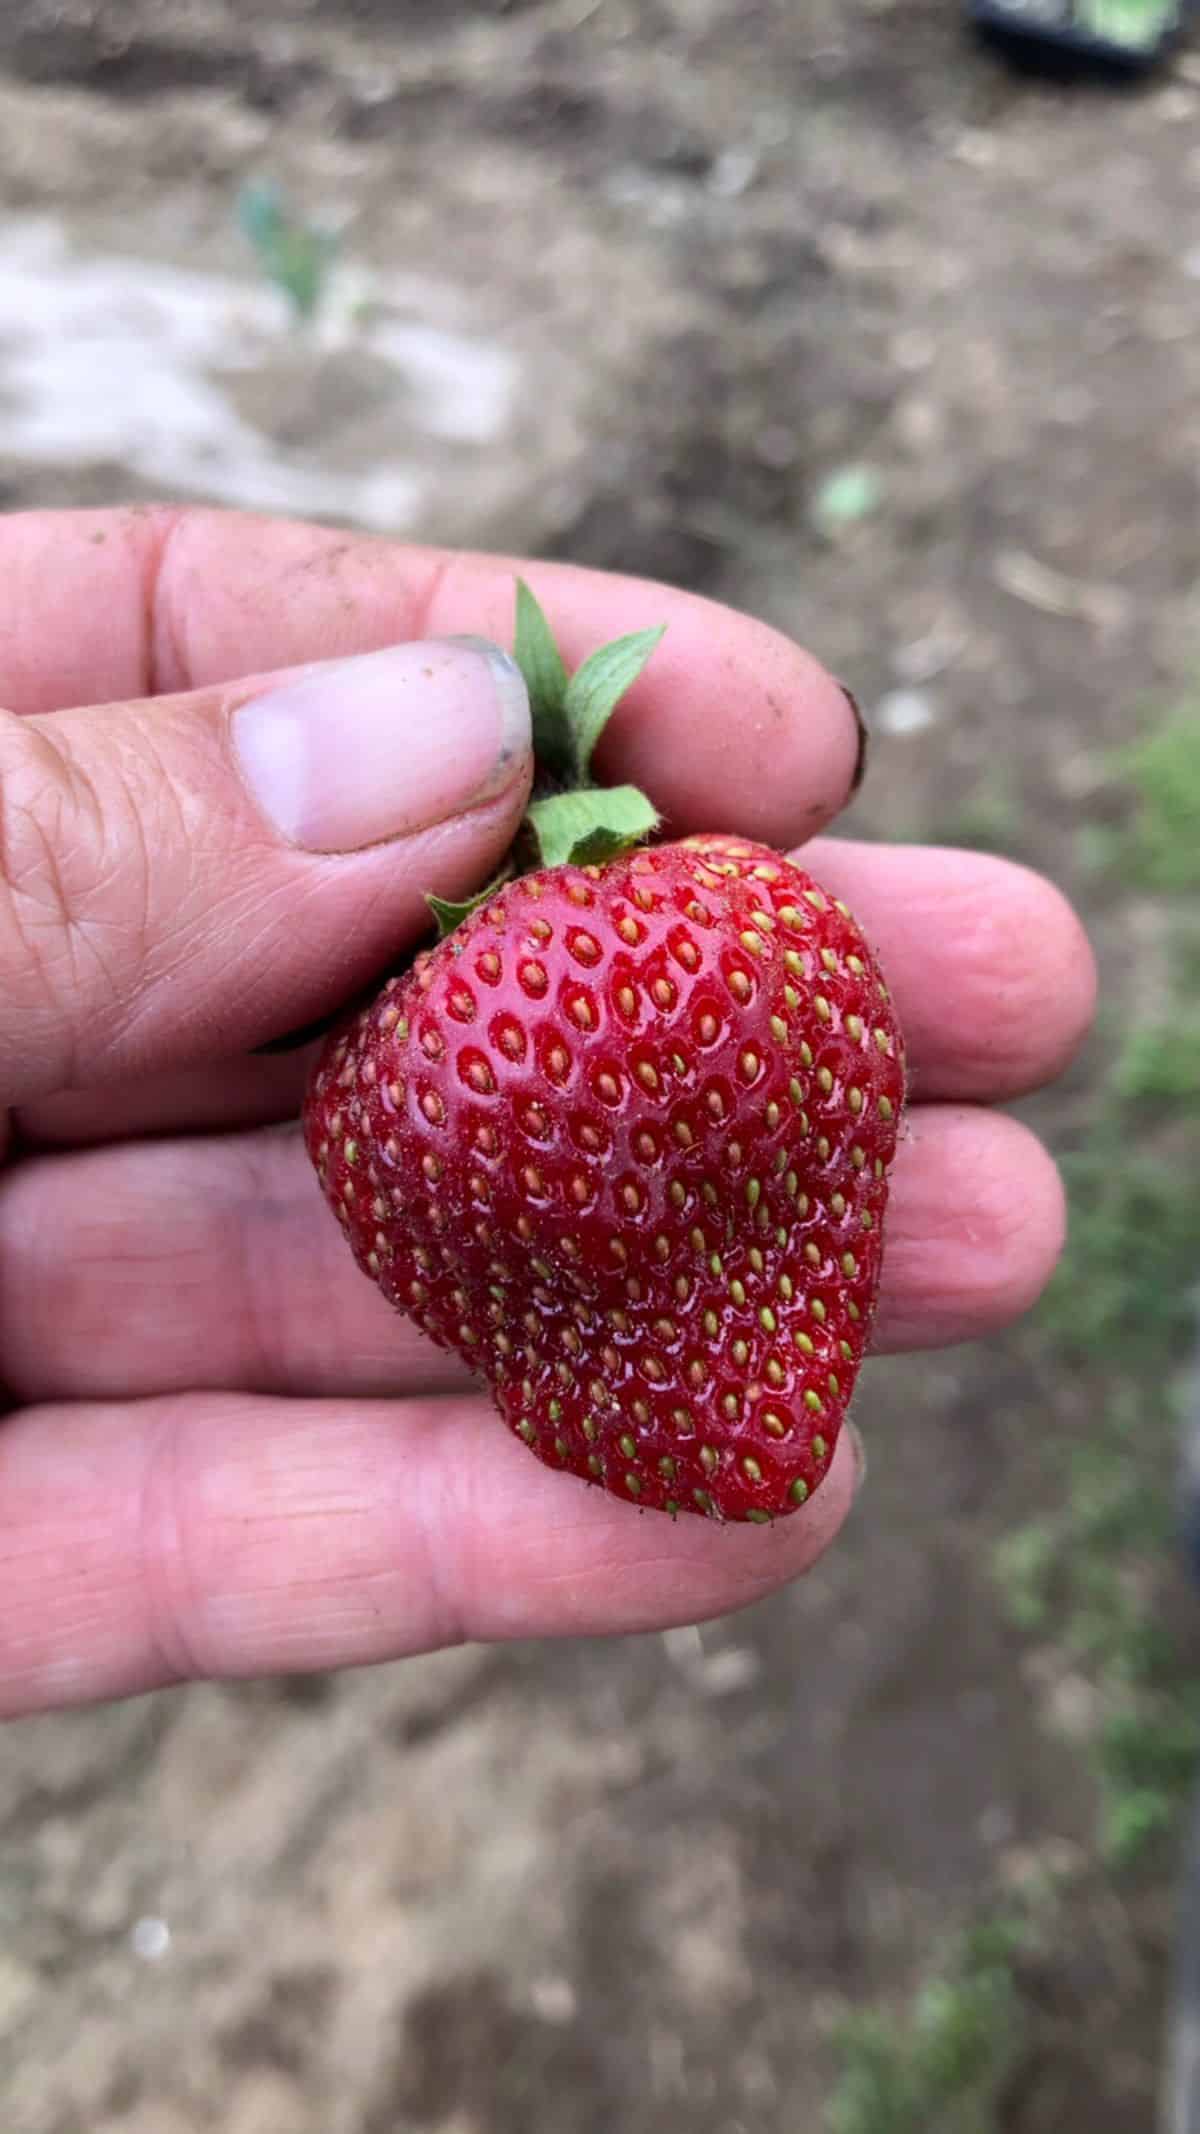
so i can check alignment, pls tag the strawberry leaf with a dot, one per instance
(587, 827)
(596, 688)
(570, 820)
(540, 662)
(450, 913)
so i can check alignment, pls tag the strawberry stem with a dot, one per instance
(572, 819)
(546, 679)
(571, 711)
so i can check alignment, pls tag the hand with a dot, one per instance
(224, 1455)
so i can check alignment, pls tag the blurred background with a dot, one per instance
(824, 310)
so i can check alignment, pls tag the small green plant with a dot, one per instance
(1159, 1066)
(941, 2071)
(846, 496)
(293, 254)
(1148, 1756)
(1164, 774)
(1135, 23)
(1124, 1292)
(1024, 1570)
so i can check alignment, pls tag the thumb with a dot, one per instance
(186, 876)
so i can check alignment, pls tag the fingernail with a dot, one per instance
(356, 751)
(864, 740)
(860, 1454)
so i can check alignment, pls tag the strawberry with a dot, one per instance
(622, 1140)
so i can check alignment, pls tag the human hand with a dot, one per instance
(224, 1455)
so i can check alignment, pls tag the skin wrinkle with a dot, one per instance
(32, 883)
(130, 875)
(257, 1281)
(171, 1654)
(95, 861)
(243, 934)
(423, 606)
(173, 595)
(438, 1551)
(160, 659)
(396, 899)
(85, 1294)
(432, 1619)
(167, 957)
(193, 1632)
(184, 930)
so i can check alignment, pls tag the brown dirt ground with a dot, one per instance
(730, 245)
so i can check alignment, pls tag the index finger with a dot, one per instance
(731, 727)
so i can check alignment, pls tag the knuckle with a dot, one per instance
(72, 889)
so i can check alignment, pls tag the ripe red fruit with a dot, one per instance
(622, 1141)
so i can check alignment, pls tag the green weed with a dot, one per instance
(1163, 773)
(1123, 1295)
(1023, 1566)
(1160, 1067)
(939, 2072)
(294, 255)
(1136, 23)
(1147, 1760)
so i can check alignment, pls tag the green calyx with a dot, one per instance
(570, 820)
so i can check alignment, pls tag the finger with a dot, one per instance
(222, 1536)
(106, 1289)
(185, 877)
(989, 967)
(993, 976)
(217, 1097)
(732, 726)
(976, 1224)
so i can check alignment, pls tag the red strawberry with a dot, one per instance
(622, 1141)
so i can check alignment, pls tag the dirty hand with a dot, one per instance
(222, 1455)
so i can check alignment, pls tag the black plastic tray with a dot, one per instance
(1018, 26)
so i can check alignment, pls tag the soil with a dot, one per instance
(686, 259)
